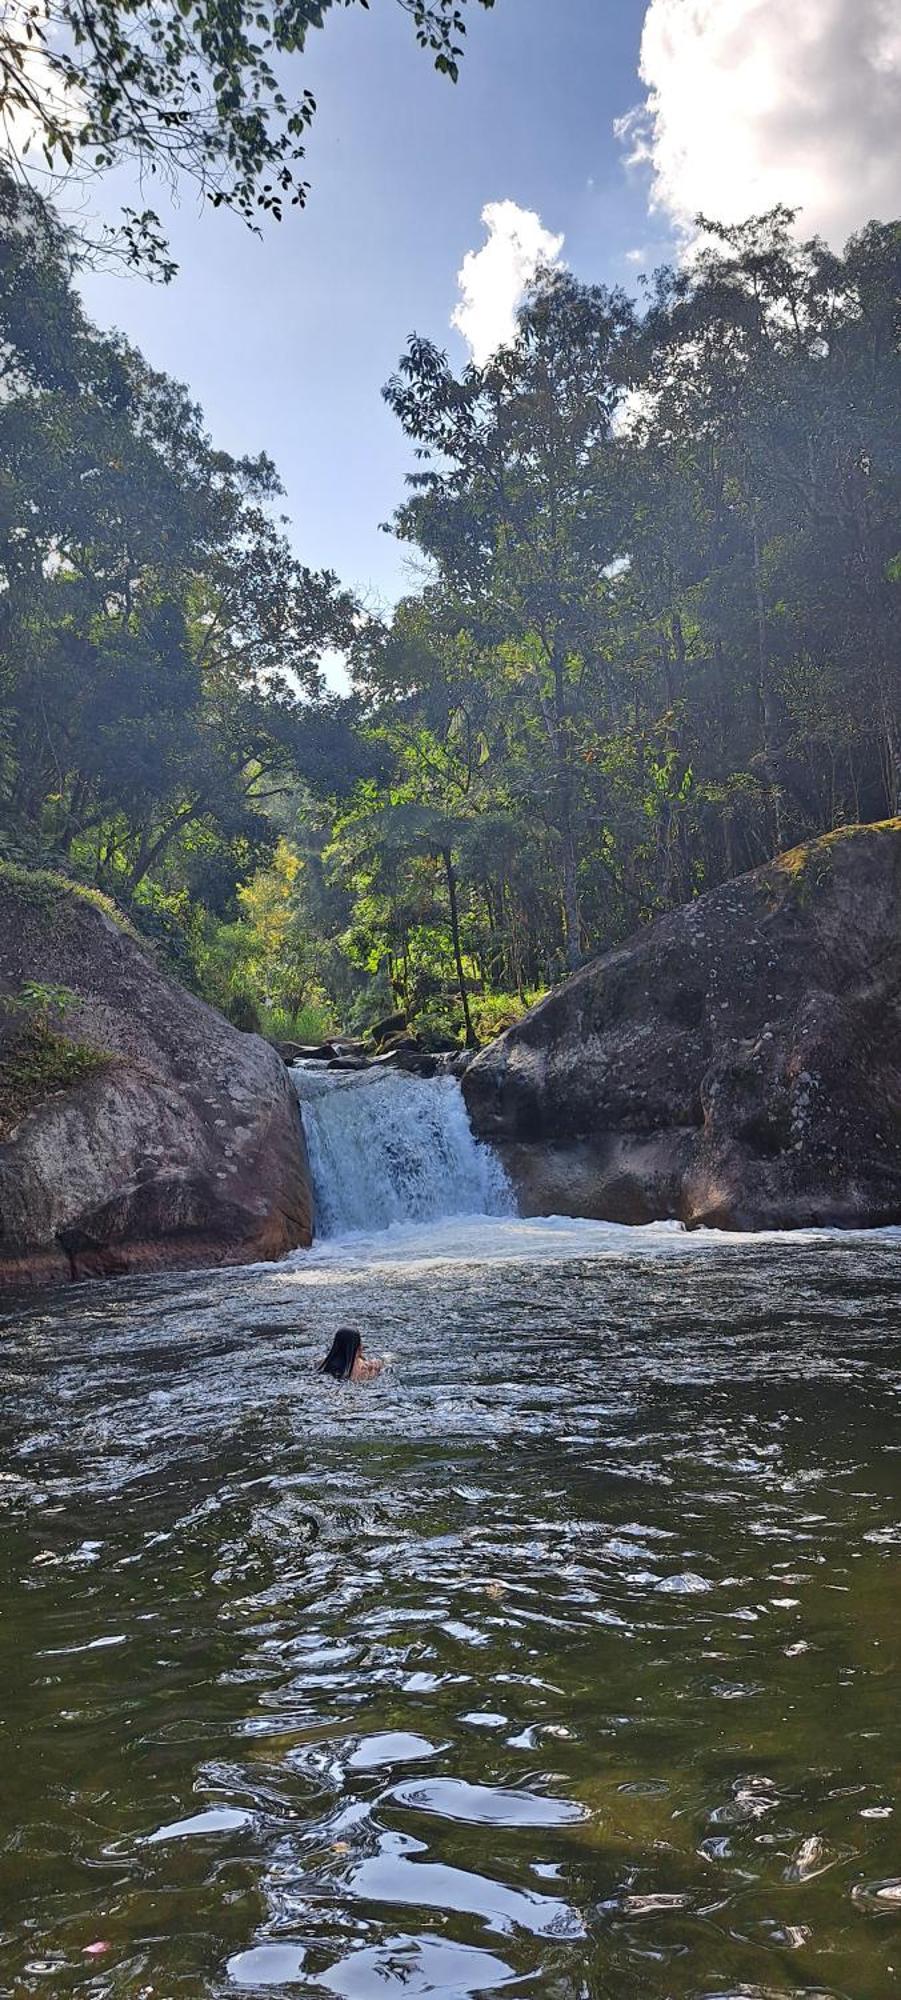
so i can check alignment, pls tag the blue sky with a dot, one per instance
(286, 341)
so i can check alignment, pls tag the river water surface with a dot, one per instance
(561, 1661)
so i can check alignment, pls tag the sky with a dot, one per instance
(589, 130)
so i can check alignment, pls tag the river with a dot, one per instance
(562, 1660)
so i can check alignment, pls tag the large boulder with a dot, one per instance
(186, 1149)
(736, 1063)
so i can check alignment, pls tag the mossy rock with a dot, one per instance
(42, 889)
(806, 869)
(139, 1131)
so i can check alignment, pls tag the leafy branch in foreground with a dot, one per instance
(190, 89)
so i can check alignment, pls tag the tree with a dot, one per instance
(772, 369)
(524, 514)
(665, 553)
(400, 830)
(192, 90)
(660, 637)
(160, 641)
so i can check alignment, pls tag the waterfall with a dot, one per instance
(386, 1147)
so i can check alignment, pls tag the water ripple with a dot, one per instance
(562, 1659)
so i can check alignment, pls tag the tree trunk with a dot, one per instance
(886, 667)
(572, 929)
(765, 696)
(149, 852)
(447, 858)
(571, 924)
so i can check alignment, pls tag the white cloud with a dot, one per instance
(492, 280)
(630, 410)
(754, 102)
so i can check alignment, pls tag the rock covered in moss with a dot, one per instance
(185, 1149)
(736, 1063)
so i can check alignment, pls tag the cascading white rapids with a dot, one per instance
(388, 1148)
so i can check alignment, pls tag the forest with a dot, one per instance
(655, 638)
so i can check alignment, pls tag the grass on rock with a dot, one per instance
(36, 1063)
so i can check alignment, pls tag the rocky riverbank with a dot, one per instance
(736, 1063)
(143, 1130)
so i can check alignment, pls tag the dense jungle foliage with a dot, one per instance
(657, 639)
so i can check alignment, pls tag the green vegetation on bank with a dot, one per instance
(659, 639)
(45, 889)
(36, 1060)
(38, 1065)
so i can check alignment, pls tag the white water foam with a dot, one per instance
(401, 1182)
(471, 1240)
(387, 1149)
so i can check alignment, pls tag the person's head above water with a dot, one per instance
(342, 1354)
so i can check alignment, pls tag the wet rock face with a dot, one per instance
(737, 1063)
(187, 1150)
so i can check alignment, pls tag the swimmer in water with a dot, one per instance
(345, 1359)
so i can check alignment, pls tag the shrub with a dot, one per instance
(36, 1000)
(44, 890)
(170, 926)
(374, 1002)
(313, 1022)
(36, 1063)
(242, 1011)
(493, 1012)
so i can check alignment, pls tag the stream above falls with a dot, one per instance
(561, 1661)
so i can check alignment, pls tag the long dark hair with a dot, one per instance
(342, 1354)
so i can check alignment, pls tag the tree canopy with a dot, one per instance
(659, 636)
(160, 642)
(665, 586)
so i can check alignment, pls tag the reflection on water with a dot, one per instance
(560, 1659)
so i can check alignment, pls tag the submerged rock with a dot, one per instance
(186, 1149)
(736, 1063)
